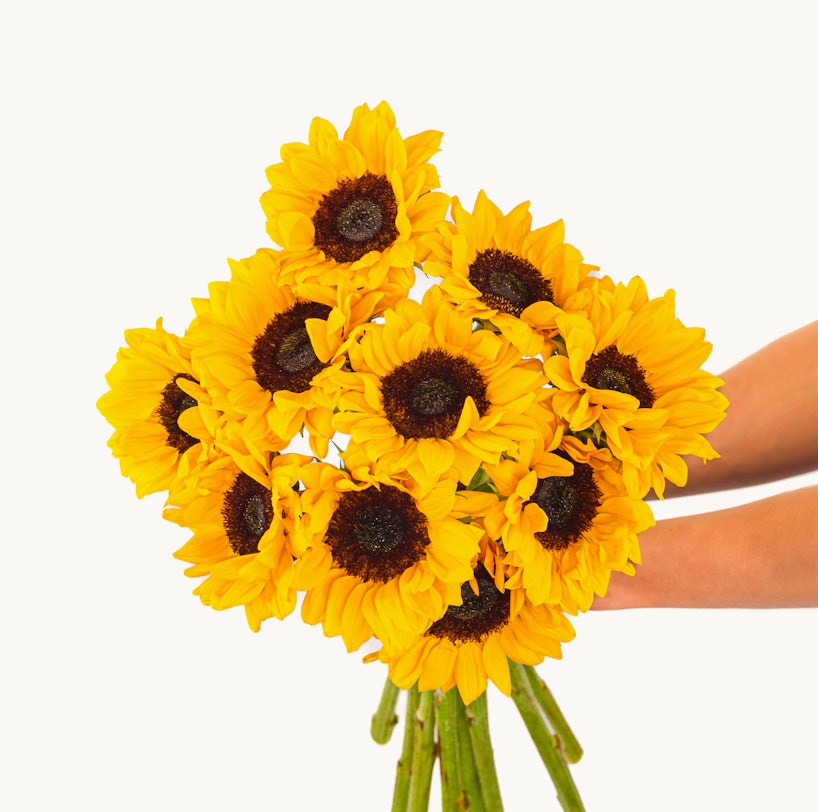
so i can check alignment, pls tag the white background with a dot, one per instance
(677, 142)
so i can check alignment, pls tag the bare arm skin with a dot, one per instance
(760, 555)
(771, 428)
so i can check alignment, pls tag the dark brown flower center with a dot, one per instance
(570, 503)
(356, 217)
(432, 397)
(360, 221)
(424, 397)
(172, 403)
(294, 352)
(376, 534)
(479, 615)
(508, 283)
(282, 356)
(378, 528)
(610, 369)
(247, 512)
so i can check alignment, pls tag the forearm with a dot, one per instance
(771, 428)
(759, 555)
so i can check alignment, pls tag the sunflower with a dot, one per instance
(242, 528)
(353, 208)
(566, 521)
(379, 556)
(475, 638)
(428, 394)
(494, 266)
(155, 405)
(264, 352)
(630, 368)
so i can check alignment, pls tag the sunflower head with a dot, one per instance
(154, 406)
(354, 208)
(628, 370)
(242, 534)
(263, 349)
(495, 267)
(473, 641)
(384, 545)
(428, 394)
(565, 520)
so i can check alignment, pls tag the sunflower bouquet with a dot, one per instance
(441, 467)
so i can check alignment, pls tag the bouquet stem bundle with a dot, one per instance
(440, 727)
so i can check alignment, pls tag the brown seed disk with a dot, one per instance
(508, 283)
(377, 533)
(173, 402)
(282, 356)
(424, 397)
(356, 217)
(479, 616)
(247, 513)
(571, 504)
(611, 369)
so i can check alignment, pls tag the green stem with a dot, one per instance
(403, 774)
(423, 753)
(570, 746)
(477, 716)
(385, 718)
(547, 745)
(470, 796)
(447, 741)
